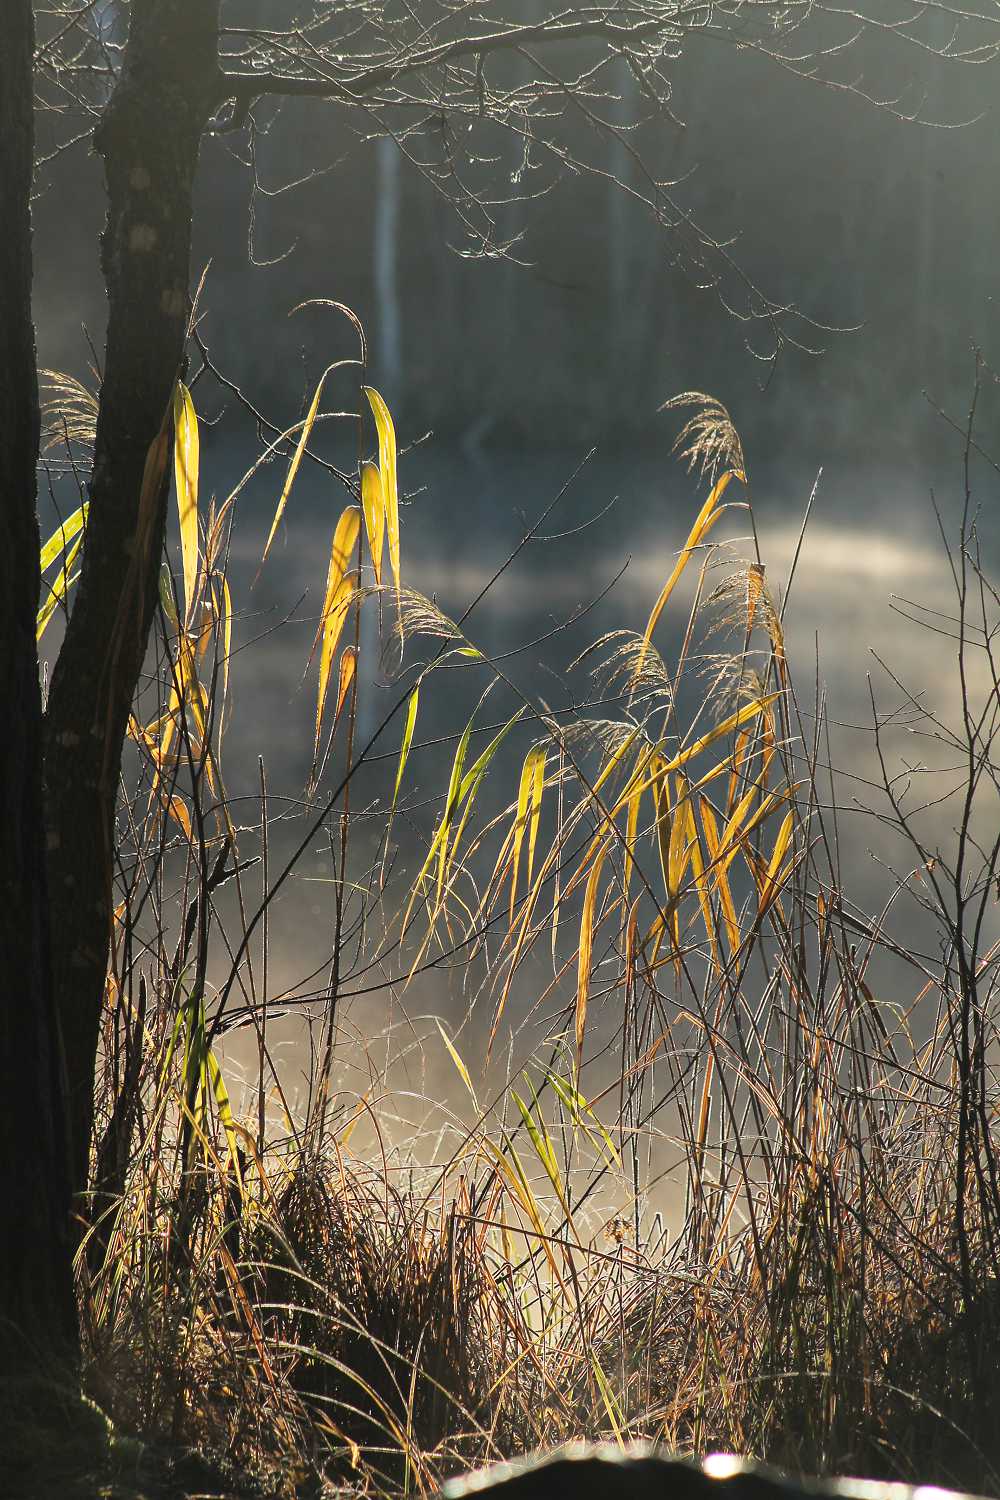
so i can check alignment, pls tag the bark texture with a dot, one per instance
(36, 1294)
(149, 138)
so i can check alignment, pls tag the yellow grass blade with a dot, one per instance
(58, 590)
(537, 788)
(348, 667)
(205, 632)
(177, 808)
(335, 610)
(224, 1110)
(519, 1189)
(463, 1071)
(734, 721)
(166, 588)
(578, 1106)
(660, 782)
(755, 589)
(612, 1406)
(631, 834)
(772, 882)
(679, 852)
(191, 691)
(439, 844)
(529, 793)
(616, 759)
(407, 741)
(701, 881)
(718, 871)
(442, 837)
(520, 819)
(186, 459)
(731, 833)
(293, 467)
(168, 724)
(586, 954)
(736, 837)
(653, 762)
(342, 546)
(706, 519)
(475, 774)
(471, 781)
(227, 634)
(642, 776)
(373, 501)
(739, 755)
(62, 536)
(501, 866)
(387, 468)
(544, 1150)
(360, 1110)
(683, 840)
(646, 760)
(777, 636)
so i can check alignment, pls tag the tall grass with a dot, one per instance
(707, 1182)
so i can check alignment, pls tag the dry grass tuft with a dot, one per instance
(737, 1187)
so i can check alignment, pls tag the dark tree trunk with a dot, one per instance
(36, 1292)
(149, 138)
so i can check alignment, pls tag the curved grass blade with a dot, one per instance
(177, 808)
(705, 520)
(734, 721)
(441, 838)
(537, 788)
(718, 874)
(293, 467)
(407, 740)
(373, 501)
(387, 468)
(456, 1058)
(773, 879)
(335, 611)
(578, 1106)
(473, 777)
(508, 1163)
(631, 834)
(529, 792)
(224, 615)
(186, 460)
(58, 590)
(348, 670)
(545, 1151)
(470, 781)
(586, 954)
(62, 536)
(224, 1110)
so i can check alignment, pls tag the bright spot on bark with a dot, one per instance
(173, 302)
(139, 178)
(142, 237)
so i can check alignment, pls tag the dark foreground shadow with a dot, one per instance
(583, 1472)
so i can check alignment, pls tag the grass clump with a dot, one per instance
(718, 1170)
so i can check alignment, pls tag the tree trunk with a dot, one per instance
(149, 138)
(36, 1290)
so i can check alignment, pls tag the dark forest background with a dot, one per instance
(858, 215)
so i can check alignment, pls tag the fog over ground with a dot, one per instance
(865, 221)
